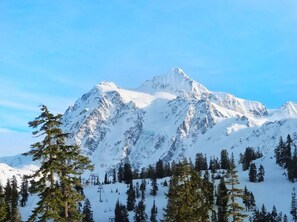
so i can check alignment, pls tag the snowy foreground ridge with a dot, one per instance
(170, 117)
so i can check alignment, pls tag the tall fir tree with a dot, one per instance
(57, 160)
(154, 186)
(130, 198)
(15, 214)
(253, 173)
(154, 212)
(87, 212)
(261, 174)
(187, 196)
(143, 188)
(24, 191)
(225, 161)
(140, 214)
(127, 173)
(222, 201)
(293, 210)
(121, 213)
(160, 169)
(7, 200)
(234, 193)
(120, 173)
(3, 207)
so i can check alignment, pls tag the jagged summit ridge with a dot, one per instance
(176, 82)
(167, 117)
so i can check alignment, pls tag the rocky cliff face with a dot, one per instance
(168, 117)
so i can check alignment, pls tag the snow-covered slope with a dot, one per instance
(168, 117)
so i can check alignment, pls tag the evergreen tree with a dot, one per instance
(127, 173)
(87, 212)
(288, 154)
(121, 213)
(57, 160)
(24, 192)
(160, 169)
(261, 174)
(3, 207)
(114, 176)
(137, 190)
(222, 201)
(225, 161)
(279, 152)
(274, 214)
(143, 188)
(294, 205)
(15, 214)
(200, 163)
(248, 157)
(154, 212)
(234, 193)
(252, 201)
(106, 178)
(7, 200)
(130, 198)
(187, 196)
(120, 174)
(140, 215)
(253, 173)
(154, 187)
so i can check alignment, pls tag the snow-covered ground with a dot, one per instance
(275, 190)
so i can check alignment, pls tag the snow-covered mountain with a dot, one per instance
(169, 117)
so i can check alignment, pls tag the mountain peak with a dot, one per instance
(174, 81)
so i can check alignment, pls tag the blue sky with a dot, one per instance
(51, 52)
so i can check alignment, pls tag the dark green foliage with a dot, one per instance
(87, 212)
(187, 196)
(130, 198)
(143, 188)
(121, 213)
(140, 215)
(285, 159)
(200, 162)
(261, 174)
(114, 176)
(137, 191)
(234, 193)
(253, 173)
(160, 173)
(106, 181)
(15, 214)
(154, 185)
(222, 201)
(248, 156)
(248, 200)
(127, 173)
(7, 199)
(10, 198)
(293, 210)
(154, 212)
(58, 160)
(120, 174)
(225, 161)
(24, 192)
(3, 207)
(264, 216)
